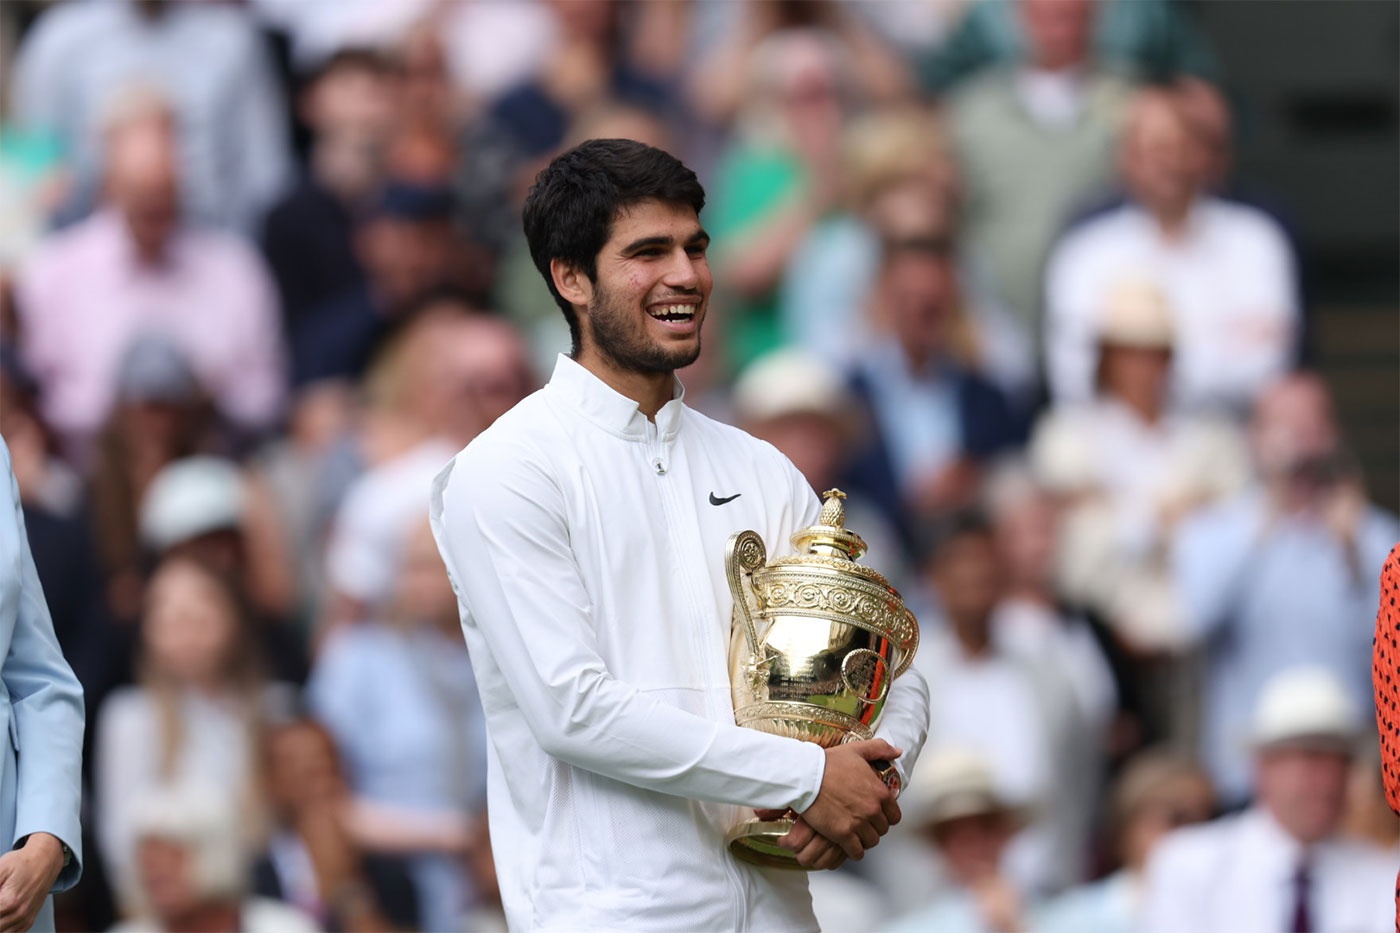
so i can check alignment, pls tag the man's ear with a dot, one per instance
(572, 283)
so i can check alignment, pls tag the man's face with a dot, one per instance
(972, 846)
(303, 770)
(967, 575)
(1057, 31)
(1162, 159)
(921, 290)
(406, 257)
(1304, 789)
(652, 290)
(166, 873)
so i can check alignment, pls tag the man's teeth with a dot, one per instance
(672, 312)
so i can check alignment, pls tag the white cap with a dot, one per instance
(951, 783)
(790, 382)
(1135, 313)
(203, 820)
(1304, 705)
(189, 498)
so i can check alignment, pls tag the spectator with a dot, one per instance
(206, 58)
(1031, 621)
(134, 267)
(885, 157)
(348, 104)
(1284, 573)
(1131, 469)
(1226, 268)
(802, 406)
(1280, 864)
(1157, 792)
(399, 696)
(446, 380)
(193, 717)
(160, 415)
(58, 524)
(405, 245)
(211, 511)
(956, 800)
(311, 861)
(1152, 39)
(779, 175)
(1019, 713)
(1035, 141)
(191, 865)
(934, 419)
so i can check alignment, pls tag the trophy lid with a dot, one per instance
(830, 537)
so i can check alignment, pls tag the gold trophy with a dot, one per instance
(817, 640)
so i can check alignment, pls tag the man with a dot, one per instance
(1226, 268)
(193, 869)
(1284, 573)
(1280, 865)
(209, 58)
(43, 705)
(1018, 712)
(133, 268)
(1035, 141)
(584, 534)
(935, 420)
(970, 823)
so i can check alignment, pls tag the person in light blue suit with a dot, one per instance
(40, 766)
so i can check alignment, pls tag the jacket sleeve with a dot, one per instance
(47, 708)
(501, 528)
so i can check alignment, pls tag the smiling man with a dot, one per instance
(584, 535)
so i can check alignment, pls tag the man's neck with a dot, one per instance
(649, 390)
(1172, 220)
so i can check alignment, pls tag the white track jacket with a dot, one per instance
(586, 547)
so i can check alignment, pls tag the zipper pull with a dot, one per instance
(658, 466)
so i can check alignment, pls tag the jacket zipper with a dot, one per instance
(658, 465)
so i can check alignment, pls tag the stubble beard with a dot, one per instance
(621, 339)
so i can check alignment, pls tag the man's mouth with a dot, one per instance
(673, 314)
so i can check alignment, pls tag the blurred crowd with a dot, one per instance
(985, 266)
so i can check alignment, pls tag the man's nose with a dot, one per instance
(681, 272)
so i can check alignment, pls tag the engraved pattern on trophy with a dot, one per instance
(817, 639)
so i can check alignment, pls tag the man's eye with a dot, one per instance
(696, 252)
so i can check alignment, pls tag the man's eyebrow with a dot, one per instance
(699, 237)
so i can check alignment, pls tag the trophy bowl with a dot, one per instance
(817, 640)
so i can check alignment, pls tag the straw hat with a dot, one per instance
(951, 783)
(791, 382)
(1305, 706)
(1135, 313)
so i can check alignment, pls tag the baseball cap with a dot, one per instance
(189, 498)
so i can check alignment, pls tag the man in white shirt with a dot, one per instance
(583, 533)
(1227, 270)
(1280, 865)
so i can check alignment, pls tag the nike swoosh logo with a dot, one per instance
(716, 500)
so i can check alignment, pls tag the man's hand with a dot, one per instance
(26, 875)
(853, 809)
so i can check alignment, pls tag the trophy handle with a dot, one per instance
(744, 554)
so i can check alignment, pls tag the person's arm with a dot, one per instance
(46, 721)
(499, 522)
(254, 390)
(1211, 554)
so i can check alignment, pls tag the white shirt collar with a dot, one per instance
(1278, 853)
(609, 409)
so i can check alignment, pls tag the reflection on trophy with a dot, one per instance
(817, 640)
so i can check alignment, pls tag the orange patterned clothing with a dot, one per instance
(1385, 678)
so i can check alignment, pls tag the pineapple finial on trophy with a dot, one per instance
(833, 509)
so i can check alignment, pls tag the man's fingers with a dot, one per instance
(876, 749)
(797, 837)
(892, 813)
(831, 858)
(768, 815)
(869, 837)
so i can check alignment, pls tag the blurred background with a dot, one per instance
(1090, 305)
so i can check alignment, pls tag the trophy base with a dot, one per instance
(756, 842)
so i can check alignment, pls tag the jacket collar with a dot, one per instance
(609, 409)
